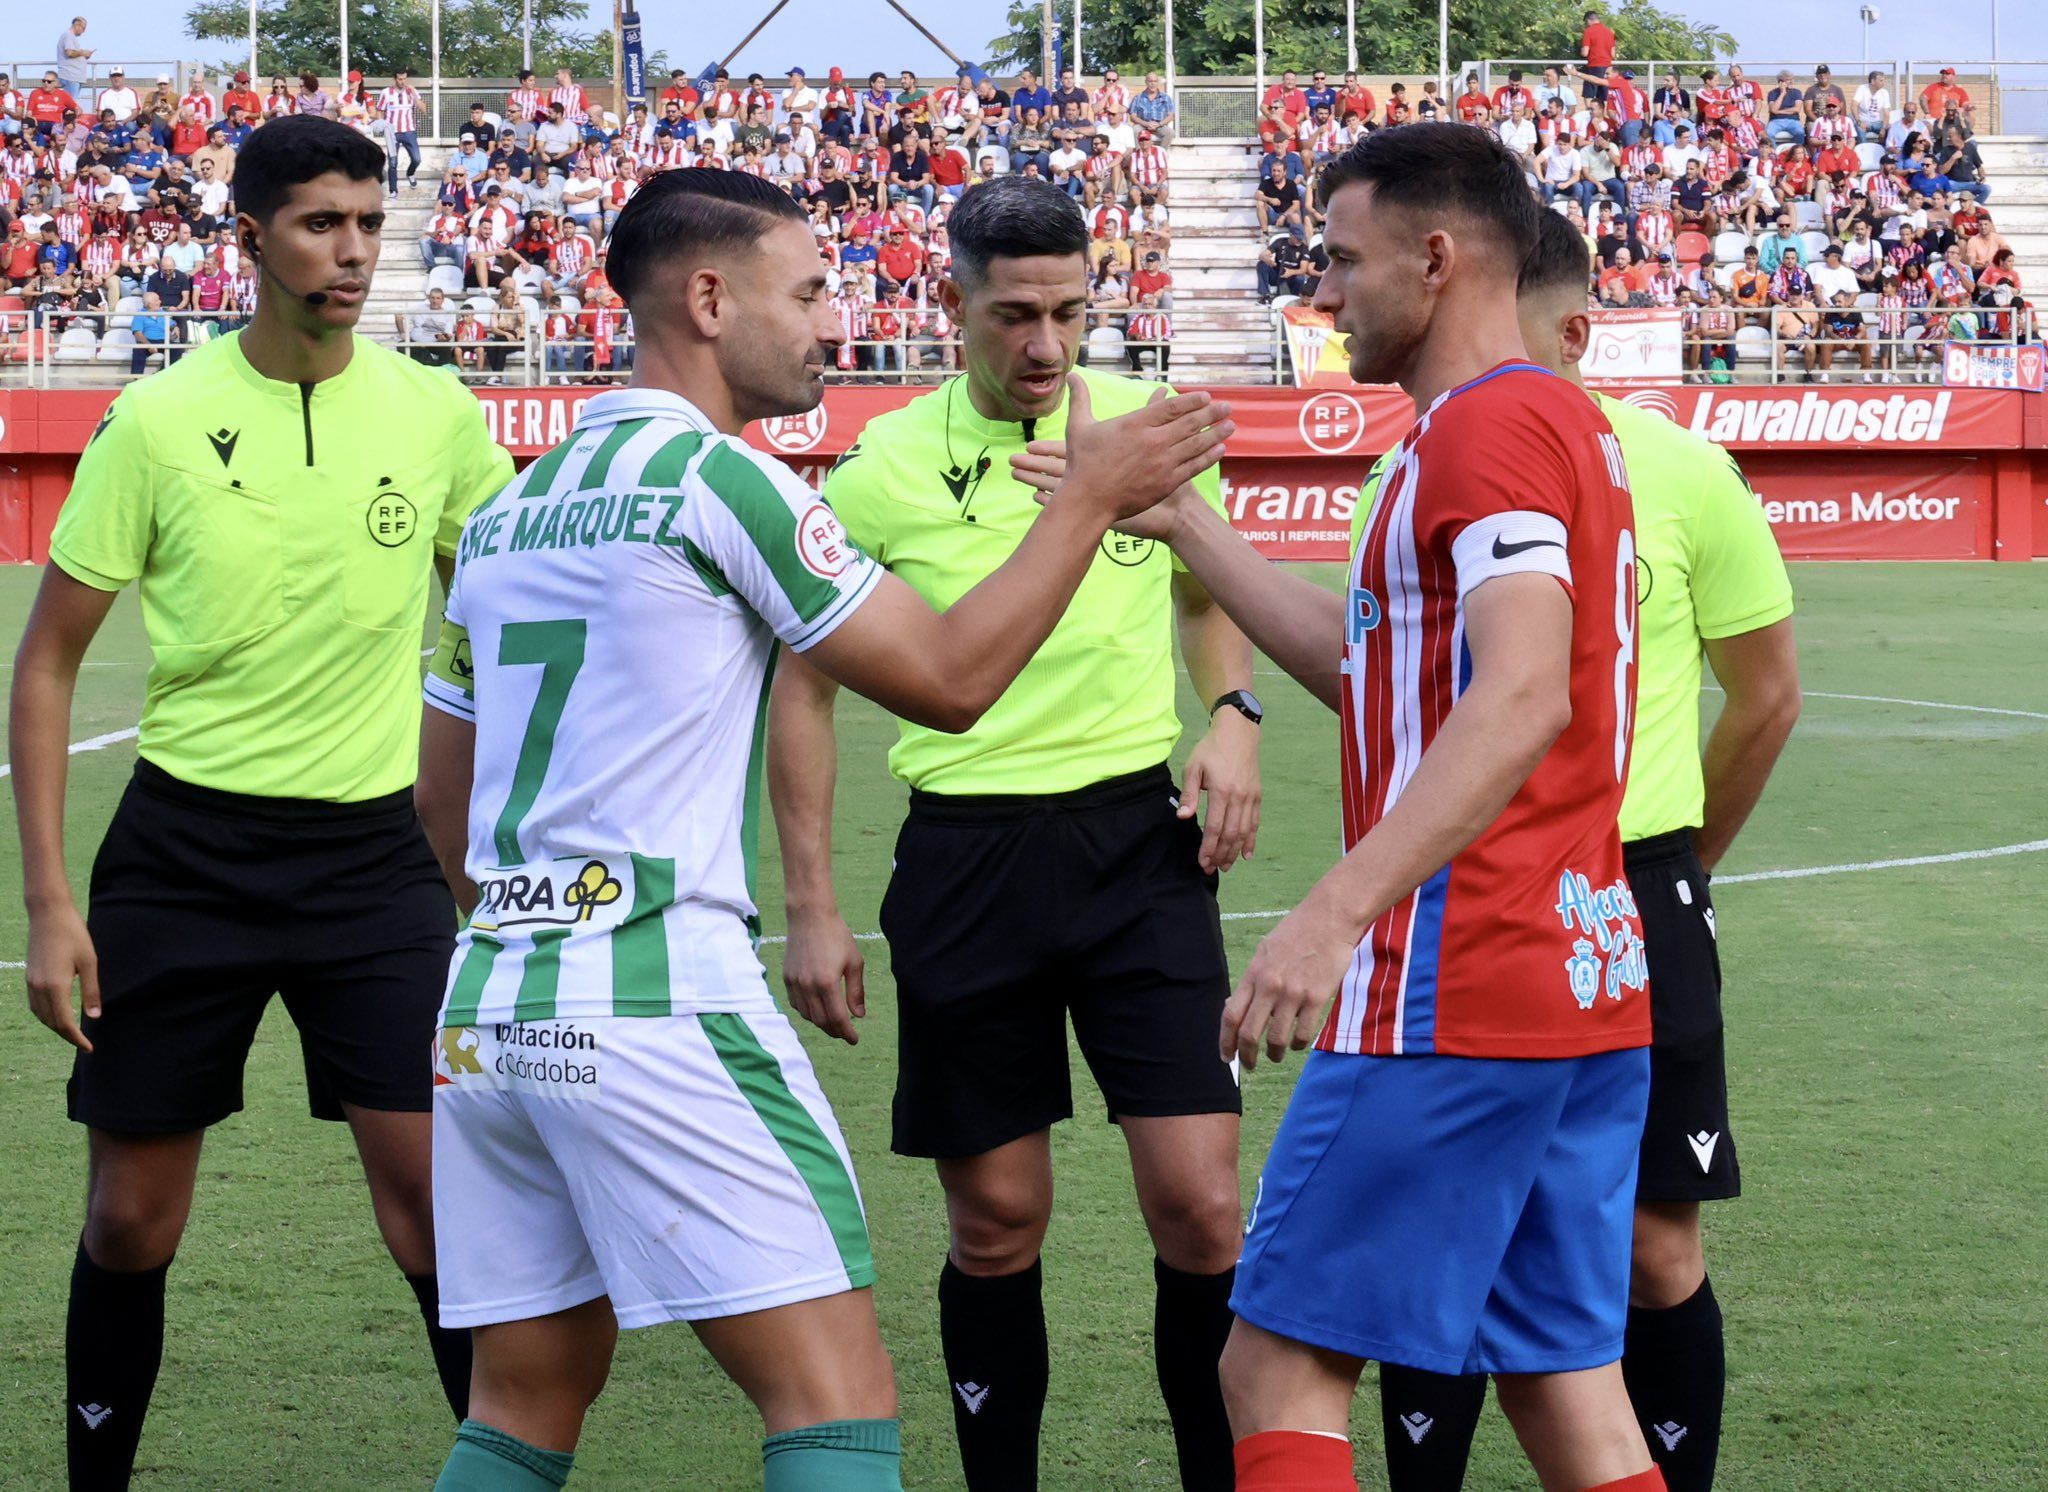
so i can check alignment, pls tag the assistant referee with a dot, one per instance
(1709, 582)
(280, 497)
(1049, 867)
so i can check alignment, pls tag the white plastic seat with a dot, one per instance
(1869, 153)
(1728, 246)
(116, 346)
(1807, 215)
(445, 278)
(77, 345)
(1752, 345)
(572, 304)
(1106, 344)
(1867, 299)
(482, 303)
(1813, 247)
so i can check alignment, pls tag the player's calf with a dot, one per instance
(1577, 1429)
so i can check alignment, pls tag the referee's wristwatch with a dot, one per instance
(1244, 702)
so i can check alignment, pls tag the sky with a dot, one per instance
(861, 35)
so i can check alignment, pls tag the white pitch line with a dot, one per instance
(1921, 704)
(90, 743)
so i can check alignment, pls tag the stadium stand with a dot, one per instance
(509, 213)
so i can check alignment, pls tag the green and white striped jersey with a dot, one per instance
(611, 630)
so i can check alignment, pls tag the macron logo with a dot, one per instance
(1417, 1425)
(1670, 1432)
(1703, 1151)
(973, 1395)
(93, 1415)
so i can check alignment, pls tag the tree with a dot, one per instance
(1214, 37)
(479, 38)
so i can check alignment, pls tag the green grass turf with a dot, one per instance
(1883, 1277)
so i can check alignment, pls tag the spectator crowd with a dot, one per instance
(1850, 231)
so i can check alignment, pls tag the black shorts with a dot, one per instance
(1688, 1152)
(1005, 916)
(204, 904)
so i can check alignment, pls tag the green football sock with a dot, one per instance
(847, 1455)
(488, 1460)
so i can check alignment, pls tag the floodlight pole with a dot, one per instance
(1169, 47)
(254, 71)
(526, 38)
(1443, 49)
(436, 45)
(1351, 35)
(1259, 55)
(1079, 70)
(344, 43)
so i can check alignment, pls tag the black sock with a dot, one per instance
(993, 1331)
(1676, 1365)
(1190, 1323)
(113, 1344)
(1426, 1421)
(450, 1344)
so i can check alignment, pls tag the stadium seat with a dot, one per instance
(446, 278)
(77, 344)
(1752, 345)
(19, 348)
(1867, 299)
(1869, 154)
(571, 304)
(116, 346)
(1808, 215)
(1728, 246)
(1106, 346)
(1690, 246)
(1812, 245)
(483, 303)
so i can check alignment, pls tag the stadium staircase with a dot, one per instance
(2017, 168)
(1221, 334)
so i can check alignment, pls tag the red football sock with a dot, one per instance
(1643, 1481)
(1294, 1461)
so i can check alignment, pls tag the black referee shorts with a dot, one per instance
(1688, 1152)
(1008, 915)
(204, 904)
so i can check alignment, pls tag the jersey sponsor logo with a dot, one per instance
(821, 542)
(1331, 423)
(223, 443)
(1612, 936)
(552, 1057)
(1124, 550)
(1811, 418)
(543, 896)
(1362, 615)
(793, 434)
(391, 517)
(455, 1054)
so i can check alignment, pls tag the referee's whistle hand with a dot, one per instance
(60, 952)
(1129, 463)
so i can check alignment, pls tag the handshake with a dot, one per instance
(1129, 465)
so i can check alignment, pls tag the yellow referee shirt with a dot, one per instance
(927, 490)
(282, 535)
(1707, 566)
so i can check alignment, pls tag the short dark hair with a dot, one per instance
(294, 149)
(1012, 217)
(1444, 167)
(690, 212)
(1560, 259)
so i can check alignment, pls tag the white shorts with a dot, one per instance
(686, 1166)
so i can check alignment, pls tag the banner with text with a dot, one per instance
(1972, 365)
(1635, 347)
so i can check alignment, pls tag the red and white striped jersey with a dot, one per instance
(101, 255)
(1108, 96)
(666, 153)
(945, 102)
(1882, 190)
(572, 254)
(1109, 220)
(447, 227)
(1639, 157)
(1100, 167)
(71, 227)
(1147, 166)
(522, 103)
(1527, 944)
(1654, 228)
(202, 105)
(281, 103)
(726, 103)
(575, 106)
(400, 108)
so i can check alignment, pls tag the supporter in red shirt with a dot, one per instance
(1596, 44)
(1356, 98)
(188, 134)
(1473, 106)
(1275, 133)
(1511, 93)
(46, 105)
(681, 93)
(1293, 102)
(1938, 95)
(1797, 174)
(1715, 101)
(900, 258)
(1149, 283)
(242, 97)
(1397, 103)
(18, 253)
(1840, 157)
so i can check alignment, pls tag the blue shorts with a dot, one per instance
(1457, 1214)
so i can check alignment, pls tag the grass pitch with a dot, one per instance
(1882, 1278)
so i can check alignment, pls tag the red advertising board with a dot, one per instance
(1859, 471)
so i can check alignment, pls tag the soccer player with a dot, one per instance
(627, 1129)
(1708, 580)
(1048, 867)
(281, 496)
(1449, 1187)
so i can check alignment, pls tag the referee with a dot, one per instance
(280, 498)
(1049, 868)
(1709, 581)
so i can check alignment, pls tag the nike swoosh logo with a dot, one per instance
(1505, 551)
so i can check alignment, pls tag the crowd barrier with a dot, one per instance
(1843, 472)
